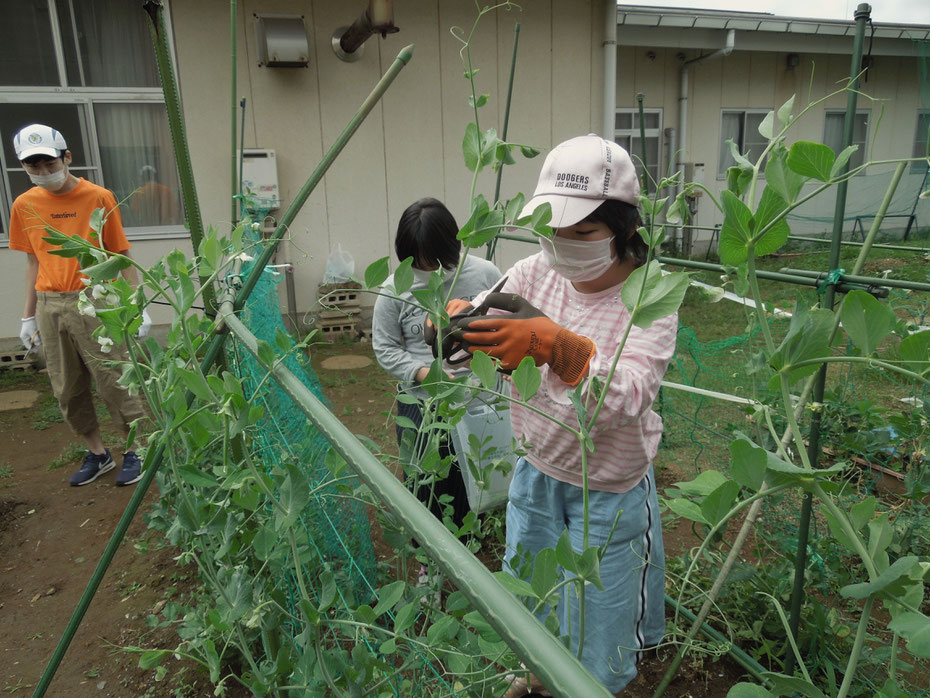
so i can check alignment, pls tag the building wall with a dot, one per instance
(759, 79)
(410, 145)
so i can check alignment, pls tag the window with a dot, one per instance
(627, 134)
(741, 127)
(921, 141)
(834, 122)
(87, 68)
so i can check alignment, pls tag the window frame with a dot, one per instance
(744, 112)
(633, 131)
(85, 98)
(863, 151)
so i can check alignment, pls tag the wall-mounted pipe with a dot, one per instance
(683, 97)
(348, 42)
(610, 69)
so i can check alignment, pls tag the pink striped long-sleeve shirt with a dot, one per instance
(626, 435)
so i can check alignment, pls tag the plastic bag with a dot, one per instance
(339, 267)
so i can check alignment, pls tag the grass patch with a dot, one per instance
(72, 453)
(47, 413)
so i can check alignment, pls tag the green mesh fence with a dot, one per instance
(336, 525)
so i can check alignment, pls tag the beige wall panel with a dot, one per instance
(735, 71)
(762, 81)
(575, 109)
(412, 129)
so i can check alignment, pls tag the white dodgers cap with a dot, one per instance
(579, 175)
(37, 139)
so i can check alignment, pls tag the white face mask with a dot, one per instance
(578, 260)
(51, 182)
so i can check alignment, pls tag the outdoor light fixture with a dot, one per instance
(792, 61)
(281, 41)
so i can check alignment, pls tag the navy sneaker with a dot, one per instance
(93, 467)
(131, 471)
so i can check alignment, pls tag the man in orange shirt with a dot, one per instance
(53, 287)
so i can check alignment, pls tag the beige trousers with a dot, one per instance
(75, 363)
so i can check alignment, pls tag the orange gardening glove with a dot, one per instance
(526, 332)
(455, 308)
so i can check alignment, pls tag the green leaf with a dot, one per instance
(197, 384)
(514, 585)
(736, 230)
(866, 320)
(265, 352)
(842, 159)
(688, 509)
(741, 161)
(771, 205)
(748, 466)
(808, 339)
(441, 630)
(328, 593)
(914, 351)
(108, 269)
(718, 503)
(545, 573)
(781, 178)
(388, 596)
(97, 221)
(514, 207)
(294, 495)
(661, 297)
(705, 483)
(767, 127)
(565, 554)
(479, 102)
(810, 159)
(405, 616)
(526, 378)
(915, 629)
(403, 276)
(471, 146)
(529, 152)
(483, 366)
(748, 690)
(376, 273)
(886, 582)
(197, 477)
(152, 658)
(784, 111)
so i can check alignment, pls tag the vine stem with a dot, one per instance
(857, 648)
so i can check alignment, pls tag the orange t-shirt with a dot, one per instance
(69, 213)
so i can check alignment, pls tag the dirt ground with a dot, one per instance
(52, 535)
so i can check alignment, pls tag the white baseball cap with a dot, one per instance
(579, 175)
(38, 139)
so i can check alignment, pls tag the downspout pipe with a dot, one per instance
(610, 69)
(683, 97)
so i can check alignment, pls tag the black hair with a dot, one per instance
(36, 159)
(623, 220)
(427, 232)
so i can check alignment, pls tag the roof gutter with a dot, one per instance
(683, 96)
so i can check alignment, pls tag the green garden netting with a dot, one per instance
(336, 525)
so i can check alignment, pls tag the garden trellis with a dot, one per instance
(274, 524)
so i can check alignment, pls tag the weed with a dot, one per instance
(6, 471)
(72, 453)
(47, 413)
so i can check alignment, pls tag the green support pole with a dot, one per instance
(543, 653)
(233, 173)
(813, 449)
(182, 154)
(642, 142)
(492, 246)
(214, 351)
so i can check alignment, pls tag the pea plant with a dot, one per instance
(768, 463)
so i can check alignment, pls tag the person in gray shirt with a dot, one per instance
(427, 233)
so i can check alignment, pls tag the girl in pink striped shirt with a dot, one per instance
(562, 306)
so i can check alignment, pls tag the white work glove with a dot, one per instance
(146, 325)
(29, 333)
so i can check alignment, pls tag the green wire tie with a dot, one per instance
(833, 277)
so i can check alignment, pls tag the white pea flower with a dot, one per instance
(106, 344)
(244, 257)
(85, 306)
(256, 226)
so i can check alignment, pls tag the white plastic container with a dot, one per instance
(489, 431)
